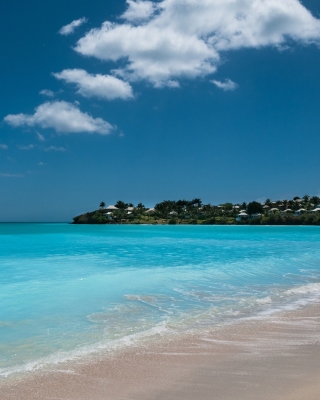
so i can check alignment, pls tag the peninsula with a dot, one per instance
(298, 211)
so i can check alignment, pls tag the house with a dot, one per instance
(242, 216)
(254, 216)
(109, 215)
(299, 212)
(172, 214)
(150, 211)
(316, 210)
(110, 208)
(286, 212)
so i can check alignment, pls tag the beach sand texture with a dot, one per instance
(275, 357)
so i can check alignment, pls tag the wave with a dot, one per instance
(85, 352)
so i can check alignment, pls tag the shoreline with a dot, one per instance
(273, 357)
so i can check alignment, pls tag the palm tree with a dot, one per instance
(102, 204)
(306, 198)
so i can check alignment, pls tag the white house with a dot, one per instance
(299, 212)
(256, 215)
(109, 215)
(241, 216)
(111, 208)
(150, 211)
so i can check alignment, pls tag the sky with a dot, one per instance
(145, 101)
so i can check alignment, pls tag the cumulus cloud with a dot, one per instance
(104, 86)
(70, 28)
(47, 93)
(61, 116)
(3, 147)
(138, 10)
(227, 85)
(185, 38)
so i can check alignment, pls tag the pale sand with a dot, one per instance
(274, 358)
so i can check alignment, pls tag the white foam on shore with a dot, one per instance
(311, 288)
(291, 299)
(84, 352)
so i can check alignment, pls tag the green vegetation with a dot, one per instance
(298, 211)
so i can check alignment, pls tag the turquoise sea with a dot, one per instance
(70, 290)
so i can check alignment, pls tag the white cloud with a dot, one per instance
(3, 147)
(104, 86)
(227, 85)
(155, 53)
(47, 93)
(55, 148)
(185, 38)
(70, 28)
(40, 137)
(138, 10)
(28, 147)
(61, 116)
(5, 175)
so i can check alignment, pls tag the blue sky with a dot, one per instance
(147, 101)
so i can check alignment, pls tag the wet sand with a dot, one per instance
(277, 357)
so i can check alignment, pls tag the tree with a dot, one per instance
(102, 204)
(227, 206)
(255, 208)
(121, 205)
(306, 198)
(197, 202)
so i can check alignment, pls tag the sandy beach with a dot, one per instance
(275, 357)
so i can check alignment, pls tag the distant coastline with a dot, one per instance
(298, 211)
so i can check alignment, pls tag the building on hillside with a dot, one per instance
(242, 216)
(254, 216)
(109, 215)
(287, 212)
(151, 211)
(110, 208)
(299, 212)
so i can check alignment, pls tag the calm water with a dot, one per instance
(66, 290)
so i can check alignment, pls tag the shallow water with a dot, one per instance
(69, 289)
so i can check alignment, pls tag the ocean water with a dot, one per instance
(70, 290)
